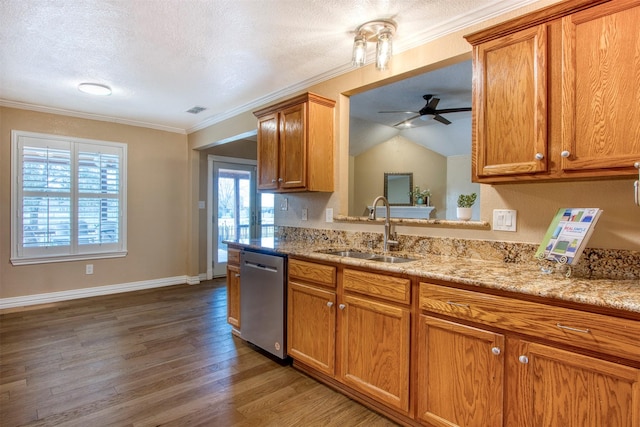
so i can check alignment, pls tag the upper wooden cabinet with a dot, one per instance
(295, 145)
(556, 94)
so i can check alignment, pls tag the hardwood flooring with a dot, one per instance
(161, 357)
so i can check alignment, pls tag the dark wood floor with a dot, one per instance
(149, 358)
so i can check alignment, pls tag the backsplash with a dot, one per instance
(594, 263)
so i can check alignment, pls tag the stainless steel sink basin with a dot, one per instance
(351, 254)
(391, 259)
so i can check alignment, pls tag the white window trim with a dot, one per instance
(120, 250)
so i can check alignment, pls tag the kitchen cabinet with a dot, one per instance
(376, 327)
(460, 375)
(556, 387)
(561, 366)
(311, 315)
(554, 94)
(295, 145)
(233, 289)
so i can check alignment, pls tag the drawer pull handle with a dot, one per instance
(496, 351)
(329, 304)
(457, 304)
(569, 328)
(523, 359)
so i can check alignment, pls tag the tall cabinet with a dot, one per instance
(295, 145)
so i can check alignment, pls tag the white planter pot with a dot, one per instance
(464, 214)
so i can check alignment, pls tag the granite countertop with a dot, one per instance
(512, 277)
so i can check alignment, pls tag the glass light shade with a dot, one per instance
(359, 50)
(384, 48)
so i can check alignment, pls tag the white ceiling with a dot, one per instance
(163, 57)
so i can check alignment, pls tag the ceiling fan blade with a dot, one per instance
(397, 111)
(433, 103)
(404, 122)
(452, 110)
(441, 119)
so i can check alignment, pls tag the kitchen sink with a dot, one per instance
(391, 259)
(351, 254)
(369, 256)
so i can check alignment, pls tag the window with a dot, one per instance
(68, 198)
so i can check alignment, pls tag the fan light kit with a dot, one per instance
(94, 89)
(381, 31)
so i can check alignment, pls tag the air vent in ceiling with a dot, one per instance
(196, 110)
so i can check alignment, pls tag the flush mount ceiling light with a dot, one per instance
(381, 31)
(94, 89)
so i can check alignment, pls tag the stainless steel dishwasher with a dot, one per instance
(263, 301)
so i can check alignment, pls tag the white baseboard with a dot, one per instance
(50, 297)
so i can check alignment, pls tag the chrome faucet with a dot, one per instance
(387, 223)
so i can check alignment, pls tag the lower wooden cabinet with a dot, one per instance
(233, 289)
(311, 328)
(554, 387)
(375, 350)
(460, 374)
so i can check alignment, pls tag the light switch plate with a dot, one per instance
(504, 219)
(329, 215)
(284, 204)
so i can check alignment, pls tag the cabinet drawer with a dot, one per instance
(378, 285)
(233, 256)
(597, 332)
(316, 273)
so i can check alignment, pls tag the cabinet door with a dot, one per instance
(233, 296)
(510, 104)
(293, 147)
(375, 350)
(460, 375)
(311, 326)
(268, 152)
(562, 388)
(601, 94)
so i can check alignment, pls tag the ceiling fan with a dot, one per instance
(429, 109)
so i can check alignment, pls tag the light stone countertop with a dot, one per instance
(518, 278)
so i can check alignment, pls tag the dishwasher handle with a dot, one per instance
(260, 266)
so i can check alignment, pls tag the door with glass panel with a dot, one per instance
(238, 213)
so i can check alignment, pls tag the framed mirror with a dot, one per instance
(397, 188)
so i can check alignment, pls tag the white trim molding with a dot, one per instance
(50, 297)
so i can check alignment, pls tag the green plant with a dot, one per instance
(466, 200)
(418, 193)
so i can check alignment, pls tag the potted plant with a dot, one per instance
(420, 197)
(465, 202)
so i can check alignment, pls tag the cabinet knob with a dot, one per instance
(523, 359)
(636, 165)
(496, 351)
(329, 304)
(539, 156)
(565, 154)
(237, 274)
(341, 306)
(280, 180)
(273, 180)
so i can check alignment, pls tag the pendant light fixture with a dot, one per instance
(381, 31)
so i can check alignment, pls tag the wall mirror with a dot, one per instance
(387, 132)
(397, 188)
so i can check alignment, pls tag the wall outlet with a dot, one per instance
(284, 204)
(504, 219)
(88, 269)
(201, 204)
(305, 214)
(329, 215)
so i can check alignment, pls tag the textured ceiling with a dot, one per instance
(162, 57)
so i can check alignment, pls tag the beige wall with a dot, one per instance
(157, 207)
